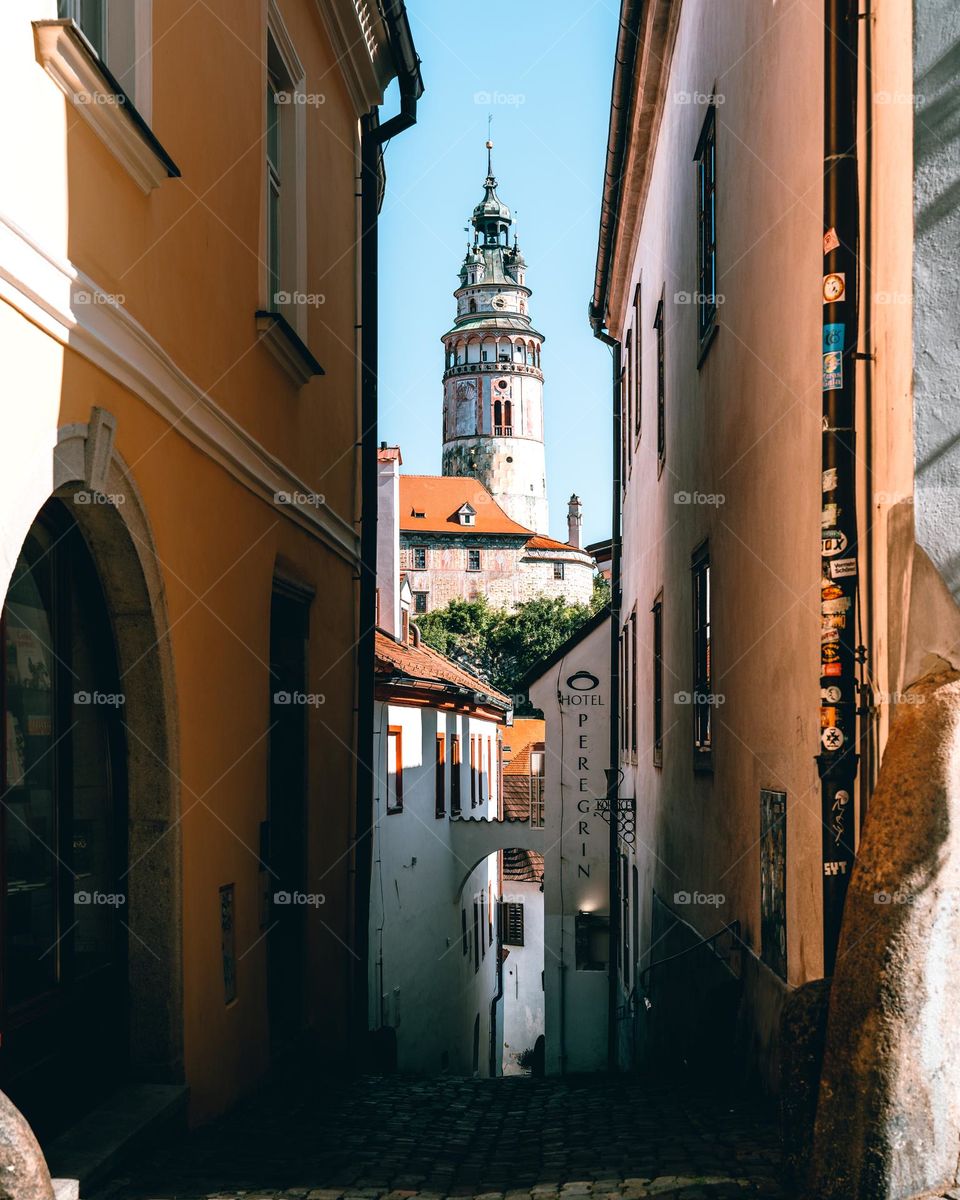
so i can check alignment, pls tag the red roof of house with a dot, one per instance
(541, 542)
(439, 498)
(389, 454)
(526, 733)
(422, 664)
(523, 866)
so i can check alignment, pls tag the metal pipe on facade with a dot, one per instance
(837, 757)
(373, 137)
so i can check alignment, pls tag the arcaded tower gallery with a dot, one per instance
(493, 385)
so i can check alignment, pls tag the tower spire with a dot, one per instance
(489, 145)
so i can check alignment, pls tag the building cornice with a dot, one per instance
(358, 36)
(66, 304)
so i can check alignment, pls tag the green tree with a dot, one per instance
(502, 646)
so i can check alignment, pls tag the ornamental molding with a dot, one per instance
(358, 36)
(66, 304)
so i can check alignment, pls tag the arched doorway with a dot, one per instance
(63, 830)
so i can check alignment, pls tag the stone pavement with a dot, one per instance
(500, 1139)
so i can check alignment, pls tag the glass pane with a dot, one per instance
(93, 24)
(29, 784)
(96, 897)
(273, 243)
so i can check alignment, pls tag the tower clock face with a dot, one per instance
(499, 302)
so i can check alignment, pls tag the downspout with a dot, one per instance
(373, 137)
(621, 99)
(837, 757)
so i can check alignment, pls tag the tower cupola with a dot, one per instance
(491, 217)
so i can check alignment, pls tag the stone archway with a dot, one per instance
(90, 476)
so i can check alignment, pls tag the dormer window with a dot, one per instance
(466, 515)
(418, 515)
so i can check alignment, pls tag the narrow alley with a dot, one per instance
(494, 1138)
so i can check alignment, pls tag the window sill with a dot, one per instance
(706, 342)
(392, 812)
(287, 347)
(76, 68)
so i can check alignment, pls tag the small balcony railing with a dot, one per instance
(503, 431)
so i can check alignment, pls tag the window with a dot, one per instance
(464, 936)
(637, 365)
(420, 601)
(537, 760)
(633, 682)
(419, 558)
(473, 771)
(115, 29)
(558, 570)
(394, 769)
(702, 658)
(476, 936)
(658, 681)
(624, 428)
(480, 913)
(440, 776)
(630, 398)
(473, 560)
(455, 803)
(706, 298)
(661, 390)
(512, 923)
(285, 177)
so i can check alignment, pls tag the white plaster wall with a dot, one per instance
(576, 861)
(388, 545)
(422, 977)
(523, 997)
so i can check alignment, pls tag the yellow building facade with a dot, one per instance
(179, 538)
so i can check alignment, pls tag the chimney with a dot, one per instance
(575, 522)
(388, 537)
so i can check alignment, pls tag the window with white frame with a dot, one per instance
(120, 32)
(285, 145)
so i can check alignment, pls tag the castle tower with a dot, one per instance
(492, 382)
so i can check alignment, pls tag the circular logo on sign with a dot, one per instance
(583, 681)
(832, 694)
(832, 738)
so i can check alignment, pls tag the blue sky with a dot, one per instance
(543, 69)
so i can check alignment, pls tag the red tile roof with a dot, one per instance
(526, 733)
(523, 866)
(422, 664)
(439, 497)
(389, 454)
(541, 542)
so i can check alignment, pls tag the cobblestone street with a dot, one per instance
(511, 1138)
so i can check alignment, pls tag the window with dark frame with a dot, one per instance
(630, 399)
(634, 666)
(512, 923)
(624, 429)
(464, 936)
(455, 773)
(473, 771)
(440, 776)
(658, 681)
(702, 658)
(419, 558)
(476, 936)
(558, 568)
(637, 366)
(394, 769)
(420, 601)
(661, 388)
(480, 911)
(473, 560)
(706, 160)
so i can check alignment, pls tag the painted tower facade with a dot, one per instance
(492, 382)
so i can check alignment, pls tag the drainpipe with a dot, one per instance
(613, 773)
(373, 137)
(837, 757)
